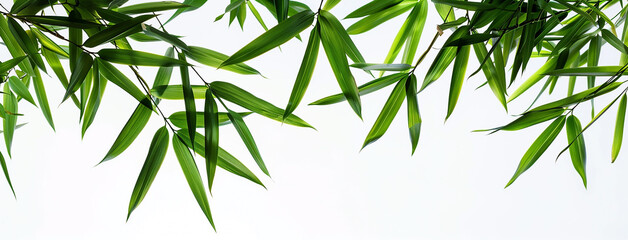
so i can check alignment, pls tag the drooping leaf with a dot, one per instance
(192, 175)
(457, 77)
(619, 128)
(3, 164)
(414, 117)
(114, 75)
(247, 138)
(178, 119)
(156, 154)
(61, 21)
(395, 67)
(212, 122)
(175, 92)
(10, 64)
(10, 119)
(364, 89)
(388, 113)
(129, 132)
(579, 97)
(95, 97)
(20, 89)
(375, 19)
(26, 43)
(577, 149)
(538, 147)
(529, 119)
(373, 7)
(83, 65)
(305, 72)
(188, 98)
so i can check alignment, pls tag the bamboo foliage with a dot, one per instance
(501, 35)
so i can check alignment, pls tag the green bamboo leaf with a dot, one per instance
(192, 175)
(378, 18)
(580, 97)
(272, 38)
(414, 37)
(495, 78)
(333, 24)
(397, 67)
(10, 119)
(42, 98)
(452, 24)
(457, 77)
(193, 5)
(577, 150)
(61, 21)
(247, 100)
(305, 72)
(83, 65)
(20, 89)
(26, 43)
(534, 78)
(364, 89)
(595, 47)
(538, 147)
(528, 119)
(214, 59)
(211, 122)
(442, 60)
(95, 97)
(84, 93)
(226, 161)
(75, 35)
(470, 39)
(247, 138)
(164, 73)
(178, 119)
(614, 41)
(152, 7)
(587, 71)
(335, 51)
(388, 113)
(10, 64)
(156, 154)
(619, 128)
(467, 5)
(129, 132)
(166, 37)
(257, 15)
(132, 57)
(373, 7)
(111, 73)
(234, 5)
(329, 4)
(414, 117)
(281, 9)
(3, 164)
(49, 44)
(188, 98)
(115, 31)
(175, 92)
(576, 9)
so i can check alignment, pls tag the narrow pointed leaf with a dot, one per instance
(83, 65)
(114, 75)
(577, 149)
(20, 89)
(538, 147)
(212, 122)
(364, 89)
(619, 128)
(154, 159)
(414, 117)
(388, 113)
(457, 77)
(112, 32)
(151, 7)
(305, 72)
(10, 119)
(178, 119)
(132, 57)
(3, 164)
(129, 132)
(214, 59)
(272, 38)
(247, 138)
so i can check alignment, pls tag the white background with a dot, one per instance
(322, 186)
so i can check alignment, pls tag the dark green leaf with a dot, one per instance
(305, 72)
(115, 31)
(132, 57)
(619, 128)
(151, 7)
(577, 149)
(388, 113)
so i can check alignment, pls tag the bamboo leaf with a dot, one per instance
(129, 132)
(20, 89)
(388, 113)
(272, 38)
(115, 31)
(247, 138)
(132, 57)
(226, 161)
(580, 97)
(538, 147)
(10, 119)
(192, 175)
(26, 43)
(577, 149)
(529, 119)
(178, 119)
(3, 164)
(83, 65)
(175, 92)
(188, 99)
(619, 128)
(151, 7)
(61, 21)
(154, 159)
(414, 117)
(10, 64)
(305, 72)
(211, 121)
(214, 59)
(373, 7)
(457, 77)
(247, 100)
(364, 89)
(114, 75)
(95, 97)
(378, 18)
(382, 67)
(335, 51)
